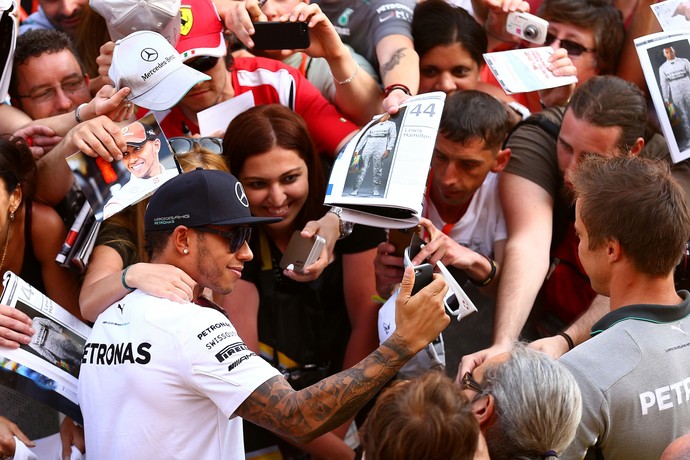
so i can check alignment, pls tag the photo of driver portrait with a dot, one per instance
(148, 159)
(141, 157)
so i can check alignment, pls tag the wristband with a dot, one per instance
(393, 87)
(77, 112)
(568, 339)
(124, 283)
(489, 278)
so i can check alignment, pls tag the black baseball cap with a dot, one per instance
(198, 198)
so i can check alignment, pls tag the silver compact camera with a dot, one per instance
(528, 27)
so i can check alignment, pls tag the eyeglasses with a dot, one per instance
(573, 48)
(203, 63)
(236, 237)
(469, 383)
(69, 85)
(182, 145)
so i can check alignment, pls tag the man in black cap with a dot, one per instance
(165, 380)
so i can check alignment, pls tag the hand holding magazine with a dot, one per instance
(379, 178)
(665, 61)
(47, 368)
(147, 164)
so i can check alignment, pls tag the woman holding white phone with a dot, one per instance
(306, 329)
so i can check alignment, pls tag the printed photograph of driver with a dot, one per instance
(149, 161)
(53, 342)
(372, 158)
(673, 78)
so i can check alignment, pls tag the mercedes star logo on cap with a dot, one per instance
(149, 54)
(241, 196)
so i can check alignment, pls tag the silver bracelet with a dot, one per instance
(77, 115)
(350, 78)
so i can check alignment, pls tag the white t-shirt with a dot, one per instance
(478, 229)
(482, 224)
(162, 380)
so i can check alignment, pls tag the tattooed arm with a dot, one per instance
(304, 415)
(399, 65)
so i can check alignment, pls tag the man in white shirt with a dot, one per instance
(166, 380)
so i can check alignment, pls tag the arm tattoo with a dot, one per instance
(315, 410)
(392, 62)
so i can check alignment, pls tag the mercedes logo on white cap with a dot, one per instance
(149, 54)
(241, 196)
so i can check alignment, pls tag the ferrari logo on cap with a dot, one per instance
(241, 196)
(186, 19)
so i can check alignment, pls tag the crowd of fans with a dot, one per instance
(561, 209)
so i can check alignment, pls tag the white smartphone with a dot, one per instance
(302, 252)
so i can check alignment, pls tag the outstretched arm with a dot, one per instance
(310, 412)
(556, 346)
(357, 95)
(399, 64)
(528, 210)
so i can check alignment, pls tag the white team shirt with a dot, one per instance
(162, 380)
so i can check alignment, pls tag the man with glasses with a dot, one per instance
(607, 116)
(165, 380)
(527, 404)
(48, 77)
(633, 372)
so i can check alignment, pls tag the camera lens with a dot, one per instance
(531, 32)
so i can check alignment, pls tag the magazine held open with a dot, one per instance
(47, 368)
(379, 178)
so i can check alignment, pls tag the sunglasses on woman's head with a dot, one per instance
(573, 48)
(182, 145)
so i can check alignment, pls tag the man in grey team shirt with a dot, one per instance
(633, 222)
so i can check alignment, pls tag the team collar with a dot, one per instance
(645, 312)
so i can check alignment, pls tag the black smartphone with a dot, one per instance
(281, 35)
(423, 275)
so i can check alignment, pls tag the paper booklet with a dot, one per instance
(111, 187)
(47, 368)
(671, 14)
(665, 61)
(379, 178)
(525, 70)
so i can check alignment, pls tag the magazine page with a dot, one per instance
(525, 70)
(47, 368)
(111, 187)
(218, 117)
(665, 61)
(673, 14)
(379, 178)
